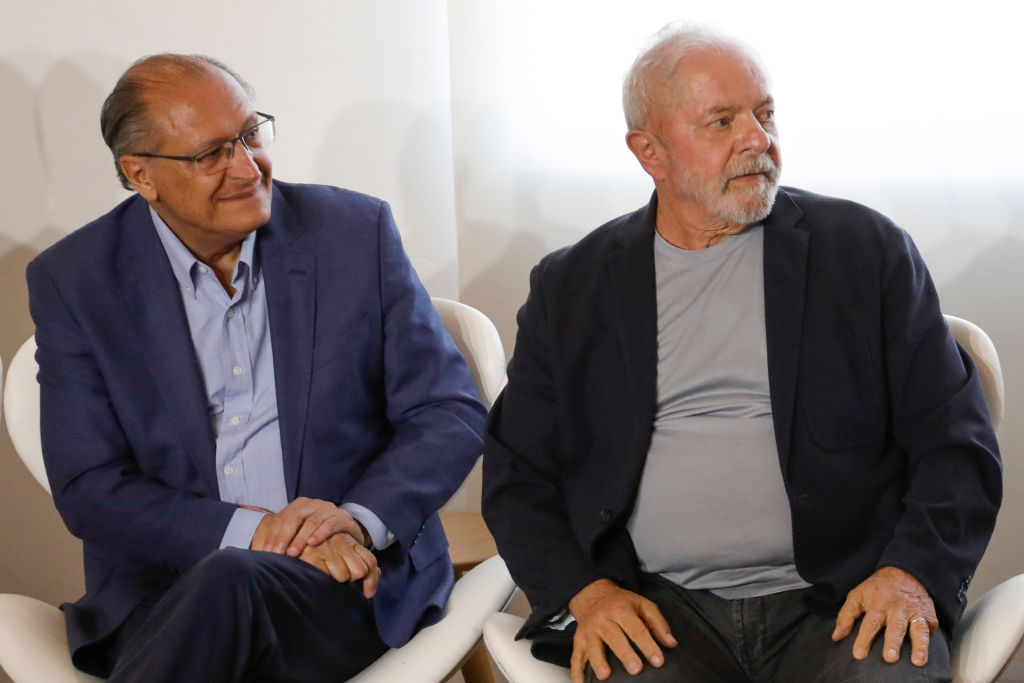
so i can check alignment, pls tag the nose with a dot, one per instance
(753, 137)
(243, 165)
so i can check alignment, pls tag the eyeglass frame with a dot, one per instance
(240, 138)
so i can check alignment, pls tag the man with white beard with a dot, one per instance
(737, 429)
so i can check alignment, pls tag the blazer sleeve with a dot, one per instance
(431, 403)
(524, 472)
(97, 485)
(941, 423)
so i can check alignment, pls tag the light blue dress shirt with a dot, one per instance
(231, 336)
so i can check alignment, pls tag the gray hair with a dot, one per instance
(658, 64)
(124, 118)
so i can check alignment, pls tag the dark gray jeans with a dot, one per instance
(771, 638)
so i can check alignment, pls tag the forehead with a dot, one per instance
(714, 78)
(199, 108)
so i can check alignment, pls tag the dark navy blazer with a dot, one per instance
(883, 434)
(376, 405)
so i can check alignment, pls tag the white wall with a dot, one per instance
(910, 107)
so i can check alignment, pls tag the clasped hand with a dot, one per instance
(323, 535)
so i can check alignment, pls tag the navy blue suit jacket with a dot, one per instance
(376, 405)
(883, 434)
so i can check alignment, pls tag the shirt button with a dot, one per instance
(231, 313)
(229, 470)
(204, 269)
(389, 536)
(234, 420)
(236, 370)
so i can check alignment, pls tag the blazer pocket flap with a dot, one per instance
(430, 543)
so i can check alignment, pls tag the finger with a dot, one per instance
(895, 632)
(339, 567)
(370, 583)
(577, 661)
(285, 525)
(304, 536)
(846, 618)
(336, 522)
(870, 625)
(657, 624)
(920, 637)
(373, 574)
(620, 645)
(598, 661)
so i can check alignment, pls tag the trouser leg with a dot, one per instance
(249, 616)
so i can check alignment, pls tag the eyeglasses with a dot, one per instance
(218, 157)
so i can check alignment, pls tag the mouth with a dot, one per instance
(241, 195)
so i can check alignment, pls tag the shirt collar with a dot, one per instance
(185, 265)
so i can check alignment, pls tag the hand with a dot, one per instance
(305, 522)
(895, 599)
(345, 559)
(613, 616)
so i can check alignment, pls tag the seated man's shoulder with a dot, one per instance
(311, 201)
(823, 211)
(96, 242)
(595, 246)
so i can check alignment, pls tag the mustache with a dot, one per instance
(759, 164)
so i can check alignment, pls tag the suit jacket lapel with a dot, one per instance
(785, 279)
(290, 280)
(150, 294)
(635, 312)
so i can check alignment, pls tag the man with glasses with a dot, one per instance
(250, 409)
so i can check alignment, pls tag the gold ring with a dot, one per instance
(918, 619)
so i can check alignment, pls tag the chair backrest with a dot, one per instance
(983, 352)
(478, 340)
(21, 410)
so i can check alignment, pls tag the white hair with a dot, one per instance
(658, 63)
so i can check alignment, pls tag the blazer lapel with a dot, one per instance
(150, 294)
(785, 277)
(290, 281)
(635, 313)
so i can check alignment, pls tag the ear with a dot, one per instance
(136, 170)
(647, 150)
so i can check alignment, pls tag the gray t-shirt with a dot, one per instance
(712, 511)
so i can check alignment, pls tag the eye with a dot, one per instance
(720, 123)
(211, 158)
(253, 137)
(767, 115)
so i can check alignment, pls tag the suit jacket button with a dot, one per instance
(606, 515)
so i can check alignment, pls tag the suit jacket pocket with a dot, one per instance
(840, 394)
(430, 544)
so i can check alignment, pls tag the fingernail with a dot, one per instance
(633, 668)
(891, 652)
(656, 660)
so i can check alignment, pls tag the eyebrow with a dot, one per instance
(728, 109)
(250, 121)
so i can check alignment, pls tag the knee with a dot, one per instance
(231, 567)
